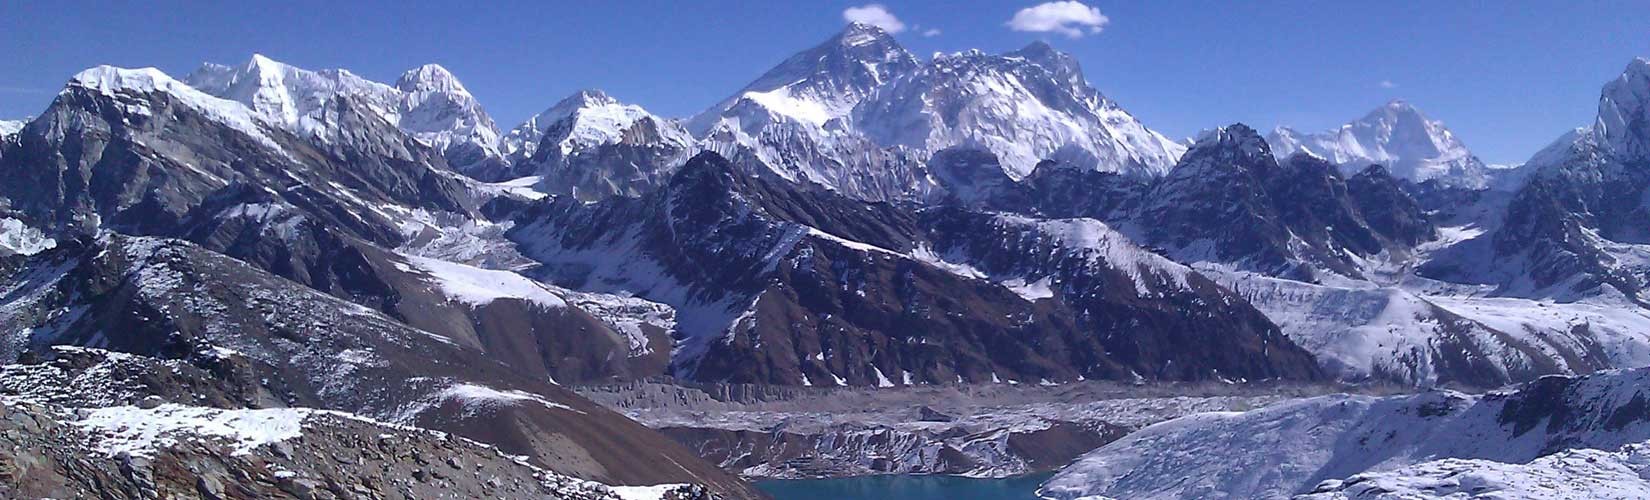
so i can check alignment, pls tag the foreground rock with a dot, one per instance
(177, 451)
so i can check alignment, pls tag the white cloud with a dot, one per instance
(931, 32)
(876, 15)
(1387, 84)
(1069, 18)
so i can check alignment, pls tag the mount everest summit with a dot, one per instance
(855, 216)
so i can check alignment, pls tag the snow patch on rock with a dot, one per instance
(142, 432)
(479, 287)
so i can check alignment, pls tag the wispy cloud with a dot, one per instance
(1387, 84)
(876, 15)
(1070, 18)
(931, 32)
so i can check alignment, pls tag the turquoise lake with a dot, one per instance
(905, 488)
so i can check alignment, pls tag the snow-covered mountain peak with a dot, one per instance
(868, 43)
(264, 69)
(591, 146)
(286, 94)
(1397, 135)
(1235, 137)
(9, 127)
(858, 34)
(595, 117)
(1063, 65)
(584, 98)
(1396, 105)
(1024, 106)
(961, 54)
(586, 118)
(133, 83)
(1623, 122)
(427, 102)
(1620, 131)
(114, 79)
(430, 78)
(815, 85)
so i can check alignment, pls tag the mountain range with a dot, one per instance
(855, 216)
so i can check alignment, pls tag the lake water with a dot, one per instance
(905, 488)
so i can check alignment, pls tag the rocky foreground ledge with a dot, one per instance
(107, 439)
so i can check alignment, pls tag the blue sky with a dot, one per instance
(1507, 77)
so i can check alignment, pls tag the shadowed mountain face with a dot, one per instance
(774, 284)
(1231, 202)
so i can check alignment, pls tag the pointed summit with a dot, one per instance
(1042, 54)
(1397, 135)
(429, 78)
(586, 118)
(582, 99)
(1234, 142)
(260, 64)
(1623, 122)
(1024, 106)
(1394, 111)
(858, 34)
(592, 146)
(1060, 63)
(1236, 134)
(1621, 130)
(818, 84)
(1037, 47)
